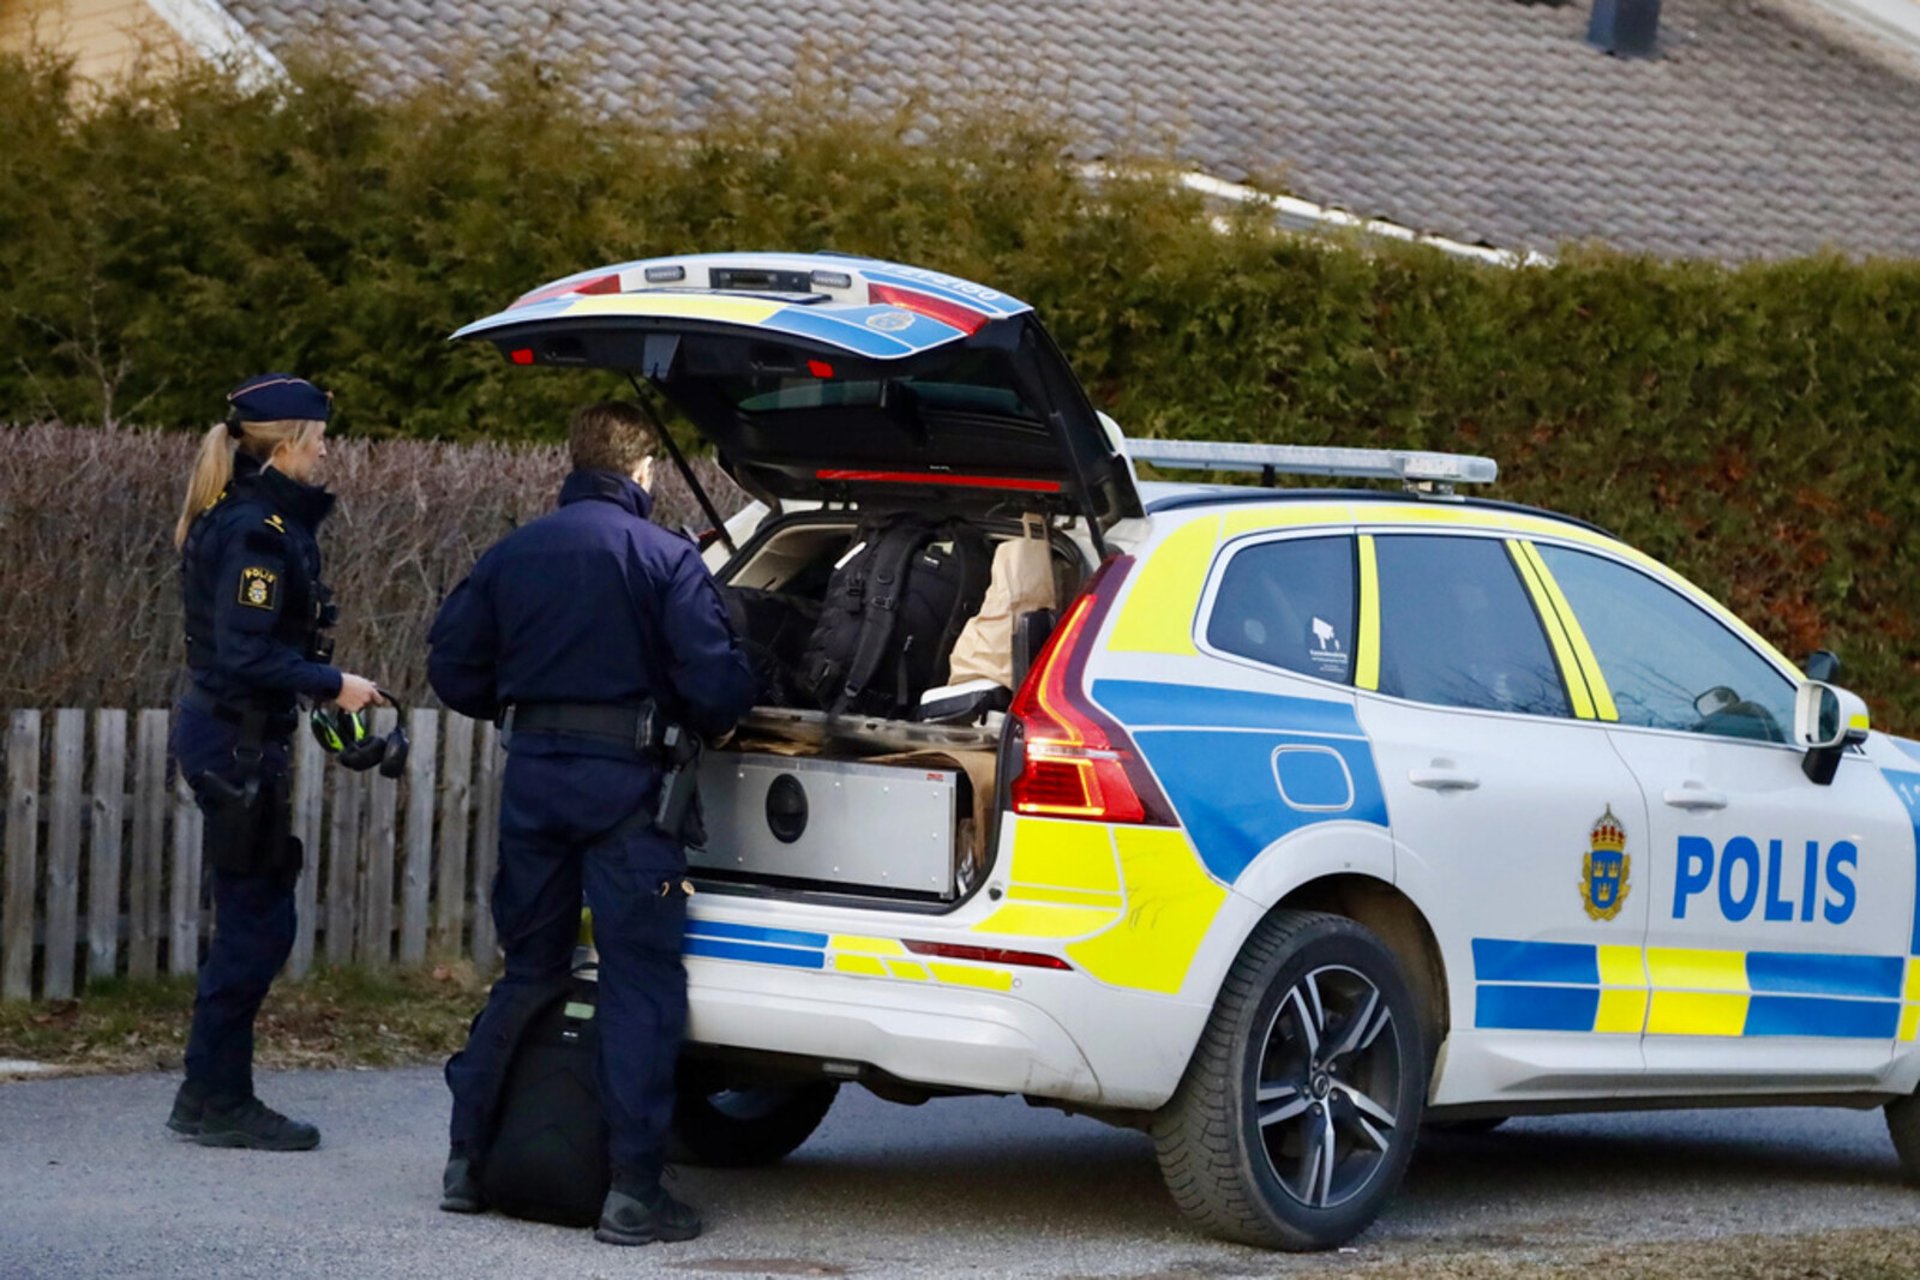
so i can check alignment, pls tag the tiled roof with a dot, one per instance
(1763, 129)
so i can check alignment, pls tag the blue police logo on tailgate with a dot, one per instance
(1603, 874)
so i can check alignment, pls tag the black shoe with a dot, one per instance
(189, 1111)
(254, 1125)
(647, 1215)
(460, 1187)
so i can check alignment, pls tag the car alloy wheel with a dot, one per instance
(1300, 1107)
(1328, 1087)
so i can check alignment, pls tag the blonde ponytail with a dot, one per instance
(213, 467)
(211, 471)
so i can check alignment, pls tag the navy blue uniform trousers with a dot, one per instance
(555, 815)
(253, 926)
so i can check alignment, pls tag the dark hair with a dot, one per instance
(610, 436)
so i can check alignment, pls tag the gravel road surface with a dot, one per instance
(91, 1184)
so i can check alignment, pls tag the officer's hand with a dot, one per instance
(356, 692)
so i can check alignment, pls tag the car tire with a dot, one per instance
(1903, 1123)
(741, 1128)
(1315, 1027)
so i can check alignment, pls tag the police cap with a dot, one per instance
(278, 397)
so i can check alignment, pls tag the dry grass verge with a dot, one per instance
(336, 1018)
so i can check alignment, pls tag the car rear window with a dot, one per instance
(1289, 604)
(969, 382)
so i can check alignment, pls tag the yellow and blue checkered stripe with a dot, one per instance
(841, 953)
(1562, 986)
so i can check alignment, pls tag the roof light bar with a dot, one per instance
(1410, 465)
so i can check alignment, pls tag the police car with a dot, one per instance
(1321, 814)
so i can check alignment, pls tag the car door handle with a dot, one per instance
(1442, 778)
(1694, 796)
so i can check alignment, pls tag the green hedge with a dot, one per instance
(1754, 425)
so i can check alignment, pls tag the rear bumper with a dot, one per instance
(954, 1037)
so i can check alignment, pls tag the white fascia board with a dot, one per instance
(1894, 20)
(1303, 215)
(207, 28)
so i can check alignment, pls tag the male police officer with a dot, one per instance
(586, 632)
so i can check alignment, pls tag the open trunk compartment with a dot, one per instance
(804, 800)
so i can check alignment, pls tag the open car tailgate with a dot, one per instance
(816, 376)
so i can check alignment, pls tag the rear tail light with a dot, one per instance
(985, 955)
(951, 314)
(1074, 761)
(599, 284)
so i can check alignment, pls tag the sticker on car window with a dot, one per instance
(1326, 654)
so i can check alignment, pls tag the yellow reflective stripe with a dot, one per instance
(1622, 967)
(907, 969)
(1911, 991)
(677, 306)
(1576, 636)
(1621, 1011)
(1366, 666)
(1052, 855)
(1689, 1013)
(1063, 897)
(1023, 920)
(1157, 616)
(1910, 1022)
(1697, 970)
(1150, 947)
(871, 966)
(967, 976)
(1861, 722)
(844, 942)
(1556, 633)
(1288, 515)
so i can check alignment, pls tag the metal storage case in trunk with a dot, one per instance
(834, 823)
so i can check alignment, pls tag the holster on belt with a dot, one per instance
(249, 811)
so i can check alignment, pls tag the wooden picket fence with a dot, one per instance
(100, 864)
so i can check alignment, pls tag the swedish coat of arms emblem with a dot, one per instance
(1603, 874)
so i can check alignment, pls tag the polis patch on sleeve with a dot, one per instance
(259, 587)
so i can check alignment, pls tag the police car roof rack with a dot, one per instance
(1419, 471)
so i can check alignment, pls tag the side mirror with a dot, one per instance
(1826, 721)
(1823, 665)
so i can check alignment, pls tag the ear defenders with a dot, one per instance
(349, 735)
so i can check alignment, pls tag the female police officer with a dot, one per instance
(256, 615)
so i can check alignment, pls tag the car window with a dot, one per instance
(1289, 604)
(1668, 663)
(1458, 629)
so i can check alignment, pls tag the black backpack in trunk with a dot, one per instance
(773, 628)
(894, 607)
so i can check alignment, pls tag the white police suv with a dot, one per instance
(1319, 813)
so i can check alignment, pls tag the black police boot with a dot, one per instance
(460, 1184)
(255, 1125)
(189, 1109)
(639, 1211)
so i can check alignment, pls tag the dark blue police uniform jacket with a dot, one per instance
(591, 603)
(250, 583)
(250, 586)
